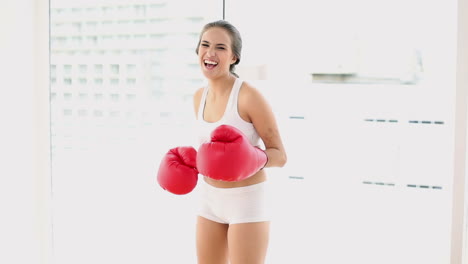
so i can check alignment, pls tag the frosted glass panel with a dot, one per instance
(364, 92)
(361, 41)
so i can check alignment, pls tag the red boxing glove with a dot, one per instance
(229, 156)
(178, 172)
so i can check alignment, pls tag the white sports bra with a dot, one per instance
(231, 117)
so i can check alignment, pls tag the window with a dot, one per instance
(67, 69)
(98, 81)
(114, 68)
(83, 81)
(98, 68)
(83, 68)
(108, 115)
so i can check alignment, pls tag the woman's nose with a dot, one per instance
(211, 52)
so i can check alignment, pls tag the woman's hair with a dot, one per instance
(236, 40)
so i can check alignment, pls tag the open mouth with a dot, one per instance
(210, 64)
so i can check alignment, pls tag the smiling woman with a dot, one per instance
(233, 116)
(220, 38)
(233, 121)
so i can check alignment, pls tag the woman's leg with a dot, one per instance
(248, 242)
(211, 242)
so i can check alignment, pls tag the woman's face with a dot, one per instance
(215, 53)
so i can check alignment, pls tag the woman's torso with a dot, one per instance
(226, 110)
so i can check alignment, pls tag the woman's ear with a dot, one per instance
(234, 60)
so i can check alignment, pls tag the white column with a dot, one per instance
(41, 131)
(457, 246)
(24, 137)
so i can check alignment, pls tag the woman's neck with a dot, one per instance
(221, 85)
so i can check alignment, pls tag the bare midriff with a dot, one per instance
(258, 177)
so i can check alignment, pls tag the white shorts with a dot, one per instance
(235, 205)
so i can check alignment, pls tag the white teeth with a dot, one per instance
(211, 62)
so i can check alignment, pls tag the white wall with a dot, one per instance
(24, 180)
(414, 226)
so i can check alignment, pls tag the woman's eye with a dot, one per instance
(204, 45)
(221, 48)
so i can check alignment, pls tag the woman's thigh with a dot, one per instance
(248, 242)
(211, 242)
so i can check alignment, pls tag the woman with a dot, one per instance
(233, 222)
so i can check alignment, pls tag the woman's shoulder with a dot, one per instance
(196, 98)
(198, 93)
(249, 93)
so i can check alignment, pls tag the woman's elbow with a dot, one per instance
(283, 160)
